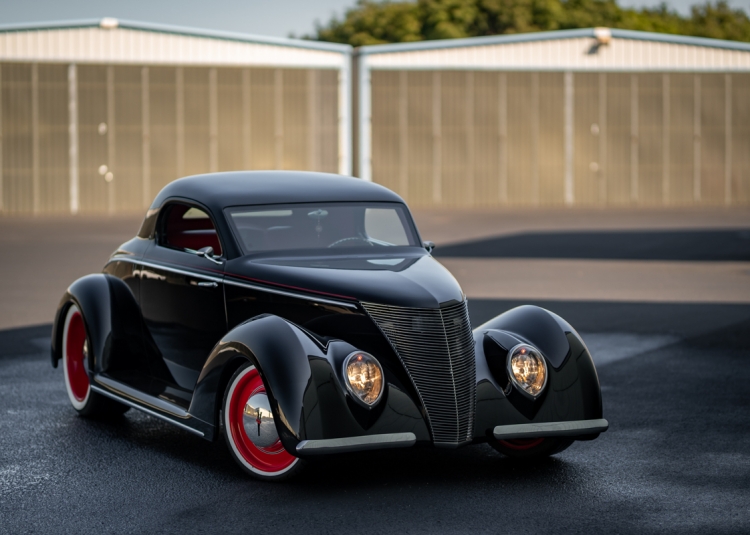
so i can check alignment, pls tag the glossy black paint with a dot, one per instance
(535, 326)
(184, 318)
(176, 326)
(420, 282)
(306, 385)
(572, 392)
(92, 296)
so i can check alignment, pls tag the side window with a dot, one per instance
(186, 227)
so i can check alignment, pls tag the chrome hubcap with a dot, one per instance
(257, 420)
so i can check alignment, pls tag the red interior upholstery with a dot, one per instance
(195, 239)
(190, 233)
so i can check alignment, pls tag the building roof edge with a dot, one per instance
(178, 30)
(546, 36)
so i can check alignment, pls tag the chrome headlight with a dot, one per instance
(527, 369)
(363, 376)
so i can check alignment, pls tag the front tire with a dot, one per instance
(75, 348)
(531, 448)
(247, 404)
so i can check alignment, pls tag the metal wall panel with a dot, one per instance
(328, 115)
(456, 111)
(420, 142)
(385, 129)
(141, 127)
(296, 129)
(486, 138)
(162, 94)
(17, 137)
(262, 98)
(586, 139)
(650, 139)
(681, 134)
(551, 152)
(615, 162)
(231, 118)
(740, 134)
(127, 165)
(93, 132)
(523, 105)
(439, 137)
(712, 138)
(54, 191)
(197, 135)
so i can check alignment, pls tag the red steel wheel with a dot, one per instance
(75, 351)
(522, 443)
(531, 448)
(75, 348)
(250, 429)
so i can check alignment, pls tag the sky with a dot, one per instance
(278, 18)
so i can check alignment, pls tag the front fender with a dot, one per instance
(536, 326)
(271, 344)
(572, 392)
(304, 378)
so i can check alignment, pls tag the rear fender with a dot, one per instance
(91, 295)
(114, 326)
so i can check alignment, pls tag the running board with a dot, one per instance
(551, 429)
(159, 408)
(370, 442)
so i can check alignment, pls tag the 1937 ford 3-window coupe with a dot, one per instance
(299, 314)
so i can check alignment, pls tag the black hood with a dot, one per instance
(408, 278)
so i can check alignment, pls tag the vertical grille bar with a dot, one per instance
(436, 347)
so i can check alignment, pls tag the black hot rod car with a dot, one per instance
(300, 314)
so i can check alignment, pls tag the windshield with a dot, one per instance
(325, 227)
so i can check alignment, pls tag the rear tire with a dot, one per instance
(263, 457)
(531, 448)
(75, 348)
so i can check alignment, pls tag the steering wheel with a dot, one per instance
(353, 238)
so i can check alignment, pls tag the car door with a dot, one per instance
(182, 293)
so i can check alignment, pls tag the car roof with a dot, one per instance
(220, 190)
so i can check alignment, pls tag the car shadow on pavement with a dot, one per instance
(679, 245)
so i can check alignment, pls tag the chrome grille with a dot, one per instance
(436, 347)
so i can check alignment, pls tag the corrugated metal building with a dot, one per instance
(100, 115)
(578, 117)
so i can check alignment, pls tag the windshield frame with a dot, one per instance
(410, 228)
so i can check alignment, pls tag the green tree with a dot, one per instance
(371, 22)
(719, 21)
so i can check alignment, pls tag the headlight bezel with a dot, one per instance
(512, 376)
(350, 390)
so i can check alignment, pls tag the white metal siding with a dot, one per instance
(573, 54)
(123, 45)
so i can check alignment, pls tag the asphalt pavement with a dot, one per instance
(676, 458)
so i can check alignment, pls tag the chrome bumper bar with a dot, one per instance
(371, 442)
(551, 429)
